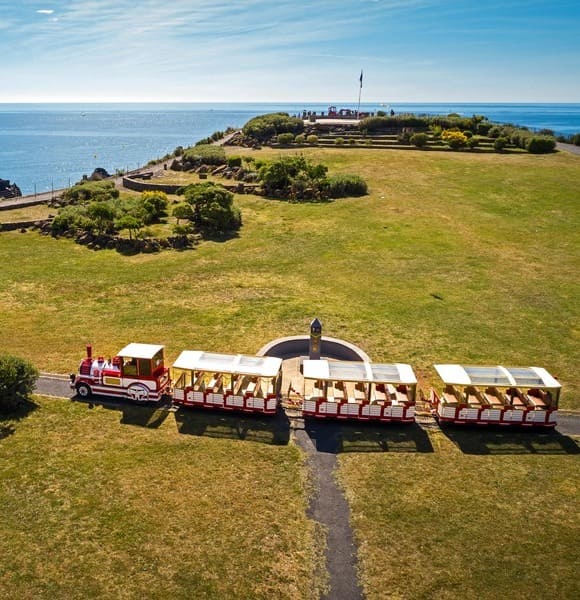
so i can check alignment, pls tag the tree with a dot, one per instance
(129, 222)
(103, 215)
(213, 207)
(17, 380)
(155, 205)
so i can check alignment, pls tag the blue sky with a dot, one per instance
(260, 50)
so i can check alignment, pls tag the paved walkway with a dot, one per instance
(568, 148)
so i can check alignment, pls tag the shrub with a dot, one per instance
(472, 142)
(103, 215)
(183, 211)
(312, 139)
(483, 128)
(213, 208)
(575, 139)
(17, 380)
(454, 139)
(300, 138)
(339, 141)
(540, 145)
(285, 138)
(494, 132)
(342, 186)
(500, 143)
(264, 127)
(234, 161)
(351, 141)
(205, 154)
(419, 139)
(91, 191)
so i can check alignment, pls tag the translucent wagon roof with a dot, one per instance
(358, 371)
(140, 350)
(260, 366)
(496, 376)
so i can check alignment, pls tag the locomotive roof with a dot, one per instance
(260, 366)
(496, 376)
(140, 350)
(359, 371)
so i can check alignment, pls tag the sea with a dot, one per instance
(51, 146)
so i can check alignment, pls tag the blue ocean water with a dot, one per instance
(44, 146)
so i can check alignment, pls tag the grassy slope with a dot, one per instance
(452, 524)
(96, 503)
(495, 236)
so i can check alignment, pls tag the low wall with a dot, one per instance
(298, 345)
(19, 225)
(138, 185)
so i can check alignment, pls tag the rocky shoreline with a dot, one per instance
(9, 190)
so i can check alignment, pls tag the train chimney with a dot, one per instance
(89, 351)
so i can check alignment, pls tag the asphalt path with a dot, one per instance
(568, 148)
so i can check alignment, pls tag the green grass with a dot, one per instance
(482, 514)
(142, 503)
(494, 236)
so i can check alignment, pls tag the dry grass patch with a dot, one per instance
(487, 515)
(128, 504)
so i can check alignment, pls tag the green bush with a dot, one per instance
(285, 138)
(300, 138)
(342, 186)
(494, 132)
(264, 127)
(419, 140)
(575, 139)
(91, 191)
(312, 139)
(205, 154)
(17, 380)
(213, 208)
(540, 145)
(500, 143)
(339, 141)
(234, 161)
(472, 142)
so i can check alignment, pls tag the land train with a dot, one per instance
(361, 391)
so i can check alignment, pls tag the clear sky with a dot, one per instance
(303, 51)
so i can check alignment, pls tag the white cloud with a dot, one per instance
(45, 11)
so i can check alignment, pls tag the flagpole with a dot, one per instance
(359, 94)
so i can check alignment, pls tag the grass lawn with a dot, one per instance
(479, 514)
(142, 503)
(28, 213)
(451, 257)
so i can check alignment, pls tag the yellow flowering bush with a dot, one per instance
(454, 139)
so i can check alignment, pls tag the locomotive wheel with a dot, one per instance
(84, 391)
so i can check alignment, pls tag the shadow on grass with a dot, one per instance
(151, 415)
(9, 418)
(495, 440)
(265, 429)
(336, 437)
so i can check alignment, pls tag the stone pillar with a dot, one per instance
(315, 340)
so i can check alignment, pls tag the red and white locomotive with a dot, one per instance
(138, 373)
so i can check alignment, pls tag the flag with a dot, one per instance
(361, 77)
